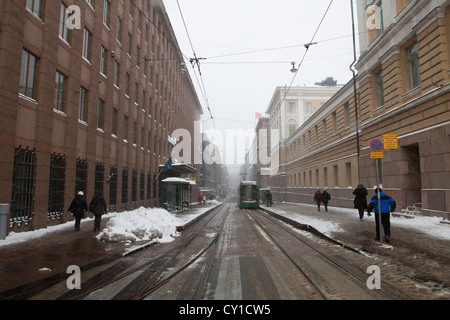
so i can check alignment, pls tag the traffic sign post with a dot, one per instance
(377, 146)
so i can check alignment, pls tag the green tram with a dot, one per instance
(248, 195)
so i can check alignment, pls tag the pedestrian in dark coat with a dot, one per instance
(318, 199)
(78, 207)
(360, 201)
(269, 199)
(387, 205)
(98, 207)
(325, 198)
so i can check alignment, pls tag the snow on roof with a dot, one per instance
(180, 180)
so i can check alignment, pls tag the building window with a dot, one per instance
(116, 73)
(114, 122)
(347, 115)
(56, 187)
(119, 30)
(348, 169)
(141, 188)
(149, 183)
(124, 188)
(308, 107)
(324, 124)
(106, 13)
(82, 110)
(130, 41)
(133, 188)
(112, 180)
(127, 84)
(36, 7)
(100, 114)
(23, 186)
(292, 128)
(291, 107)
(91, 3)
(380, 88)
(81, 175)
(63, 28)
(334, 119)
(414, 67)
(103, 60)
(336, 176)
(28, 74)
(87, 41)
(99, 177)
(134, 133)
(60, 84)
(125, 128)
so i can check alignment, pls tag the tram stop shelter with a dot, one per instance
(176, 194)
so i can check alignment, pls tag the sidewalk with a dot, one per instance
(30, 257)
(421, 244)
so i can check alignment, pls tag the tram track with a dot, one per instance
(354, 275)
(161, 263)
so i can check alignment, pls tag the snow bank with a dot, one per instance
(141, 224)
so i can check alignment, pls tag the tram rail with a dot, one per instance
(389, 292)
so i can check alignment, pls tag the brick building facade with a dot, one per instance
(87, 107)
(402, 88)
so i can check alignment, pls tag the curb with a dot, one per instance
(310, 229)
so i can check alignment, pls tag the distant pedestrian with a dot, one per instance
(98, 207)
(318, 199)
(387, 205)
(269, 199)
(78, 207)
(360, 201)
(325, 198)
(200, 199)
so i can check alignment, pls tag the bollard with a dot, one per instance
(4, 212)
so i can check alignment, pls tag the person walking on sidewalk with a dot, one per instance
(325, 198)
(360, 201)
(269, 199)
(98, 207)
(318, 199)
(78, 207)
(387, 205)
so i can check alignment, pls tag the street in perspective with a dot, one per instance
(225, 156)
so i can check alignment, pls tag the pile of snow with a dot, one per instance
(142, 224)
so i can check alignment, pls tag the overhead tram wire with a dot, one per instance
(307, 46)
(196, 62)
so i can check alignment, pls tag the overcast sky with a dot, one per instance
(249, 46)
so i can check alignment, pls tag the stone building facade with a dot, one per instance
(90, 92)
(402, 88)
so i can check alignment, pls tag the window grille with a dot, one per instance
(133, 188)
(81, 175)
(23, 187)
(124, 188)
(149, 183)
(112, 180)
(99, 176)
(141, 188)
(154, 189)
(56, 187)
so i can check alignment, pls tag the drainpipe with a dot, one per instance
(353, 70)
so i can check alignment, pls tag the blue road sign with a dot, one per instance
(376, 145)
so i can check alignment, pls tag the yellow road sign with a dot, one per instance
(377, 155)
(390, 141)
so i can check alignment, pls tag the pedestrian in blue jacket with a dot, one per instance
(387, 205)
